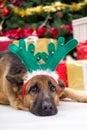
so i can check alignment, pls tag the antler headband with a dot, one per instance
(52, 59)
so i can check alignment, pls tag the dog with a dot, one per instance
(40, 96)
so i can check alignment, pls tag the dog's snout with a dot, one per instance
(44, 108)
(47, 106)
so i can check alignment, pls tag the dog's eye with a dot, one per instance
(34, 89)
(52, 87)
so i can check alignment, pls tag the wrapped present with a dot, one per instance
(40, 43)
(82, 50)
(80, 29)
(75, 74)
(62, 72)
(4, 43)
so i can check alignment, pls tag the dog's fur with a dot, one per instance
(42, 92)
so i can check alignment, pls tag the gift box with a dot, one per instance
(74, 74)
(82, 50)
(80, 29)
(62, 72)
(40, 43)
(4, 43)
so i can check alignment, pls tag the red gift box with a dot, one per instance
(4, 45)
(62, 72)
(82, 50)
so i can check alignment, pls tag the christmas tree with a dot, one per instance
(22, 18)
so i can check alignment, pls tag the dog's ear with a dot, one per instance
(61, 84)
(62, 88)
(15, 80)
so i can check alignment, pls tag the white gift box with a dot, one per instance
(80, 29)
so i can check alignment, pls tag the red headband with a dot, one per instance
(24, 86)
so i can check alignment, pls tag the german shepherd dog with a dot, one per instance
(42, 93)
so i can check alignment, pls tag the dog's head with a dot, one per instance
(41, 95)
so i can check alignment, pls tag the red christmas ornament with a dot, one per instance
(16, 2)
(54, 32)
(5, 12)
(41, 31)
(1, 1)
(1, 6)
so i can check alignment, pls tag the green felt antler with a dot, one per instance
(56, 54)
(26, 55)
(52, 59)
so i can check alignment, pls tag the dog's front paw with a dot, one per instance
(22, 107)
(17, 104)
